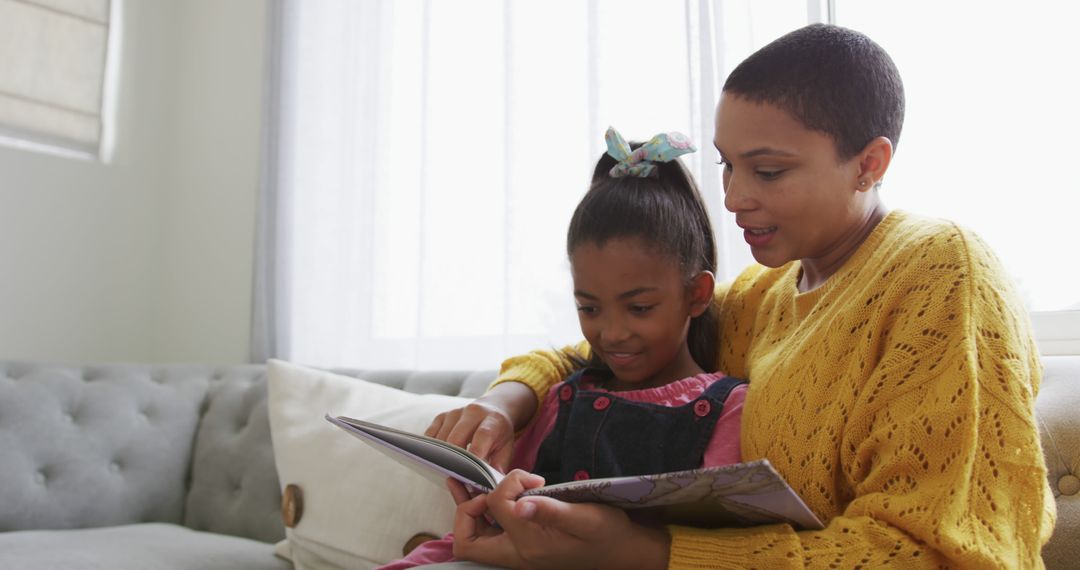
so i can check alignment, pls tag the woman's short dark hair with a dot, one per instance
(834, 80)
(666, 211)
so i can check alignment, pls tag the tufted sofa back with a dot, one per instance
(91, 446)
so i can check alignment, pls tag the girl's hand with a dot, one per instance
(475, 538)
(538, 532)
(486, 426)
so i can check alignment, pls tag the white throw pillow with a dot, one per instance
(359, 507)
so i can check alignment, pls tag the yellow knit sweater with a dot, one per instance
(897, 399)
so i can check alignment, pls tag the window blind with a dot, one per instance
(53, 60)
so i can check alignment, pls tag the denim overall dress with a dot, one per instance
(598, 434)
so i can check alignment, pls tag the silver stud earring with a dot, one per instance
(862, 184)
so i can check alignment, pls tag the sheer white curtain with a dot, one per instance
(425, 156)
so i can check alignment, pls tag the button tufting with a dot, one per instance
(292, 505)
(40, 477)
(1069, 484)
(114, 467)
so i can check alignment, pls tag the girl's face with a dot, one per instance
(635, 307)
(790, 192)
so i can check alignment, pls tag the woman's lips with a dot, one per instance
(758, 237)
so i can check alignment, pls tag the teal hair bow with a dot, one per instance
(640, 163)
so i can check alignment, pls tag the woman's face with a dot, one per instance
(791, 194)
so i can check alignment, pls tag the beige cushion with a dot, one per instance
(359, 507)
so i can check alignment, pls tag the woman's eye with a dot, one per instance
(770, 174)
(587, 310)
(724, 164)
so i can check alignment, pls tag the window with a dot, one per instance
(57, 83)
(431, 154)
(990, 136)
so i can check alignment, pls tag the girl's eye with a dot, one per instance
(641, 309)
(770, 174)
(587, 310)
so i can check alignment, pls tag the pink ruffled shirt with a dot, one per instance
(723, 447)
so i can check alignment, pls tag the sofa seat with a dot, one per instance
(158, 546)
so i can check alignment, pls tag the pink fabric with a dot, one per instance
(723, 448)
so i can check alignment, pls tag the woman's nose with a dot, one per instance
(736, 196)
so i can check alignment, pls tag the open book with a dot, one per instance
(744, 494)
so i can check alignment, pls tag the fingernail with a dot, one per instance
(528, 510)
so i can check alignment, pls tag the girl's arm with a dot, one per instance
(487, 425)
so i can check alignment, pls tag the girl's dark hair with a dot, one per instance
(834, 80)
(666, 212)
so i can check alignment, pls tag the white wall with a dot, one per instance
(148, 258)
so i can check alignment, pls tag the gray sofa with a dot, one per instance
(171, 466)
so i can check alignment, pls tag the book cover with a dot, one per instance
(742, 494)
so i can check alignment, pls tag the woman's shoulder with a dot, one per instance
(920, 243)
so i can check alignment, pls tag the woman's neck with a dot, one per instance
(816, 271)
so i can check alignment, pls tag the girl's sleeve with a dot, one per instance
(724, 447)
(542, 369)
(940, 458)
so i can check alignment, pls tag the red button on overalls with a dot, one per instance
(565, 393)
(702, 408)
(581, 475)
(601, 403)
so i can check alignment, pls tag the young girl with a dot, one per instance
(642, 258)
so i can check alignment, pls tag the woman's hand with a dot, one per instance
(486, 426)
(539, 532)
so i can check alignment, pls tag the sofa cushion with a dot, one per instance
(234, 485)
(95, 446)
(359, 507)
(153, 545)
(1059, 425)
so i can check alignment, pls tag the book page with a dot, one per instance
(743, 494)
(435, 458)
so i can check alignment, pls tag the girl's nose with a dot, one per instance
(614, 332)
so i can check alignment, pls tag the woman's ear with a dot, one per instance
(702, 288)
(873, 162)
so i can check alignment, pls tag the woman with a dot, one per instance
(892, 369)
